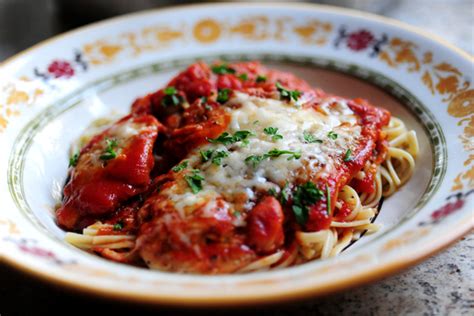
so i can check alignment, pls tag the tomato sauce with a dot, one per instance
(99, 187)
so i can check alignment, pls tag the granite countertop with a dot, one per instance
(441, 285)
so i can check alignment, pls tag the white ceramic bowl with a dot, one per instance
(51, 92)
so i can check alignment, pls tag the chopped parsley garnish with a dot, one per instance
(223, 95)
(243, 77)
(347, 155)
(170, 90)
(222, 69)
(260, 78)
(73, 160)
(301, 213)
(286, 94)
(204, 102)
(310, 139)
(256, 122)
(256, 159)
(272, 131)
(332, 135)
(118, 226)
(277, 153)
(227, 139)
(180, 167)
(194, 181)
(219, 155)
(273, 192)
(171, 98)
(328, 200)
(109, 152)
(284, 194)
(206, 155)
(304, 196)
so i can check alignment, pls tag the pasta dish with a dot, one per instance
(234, 168)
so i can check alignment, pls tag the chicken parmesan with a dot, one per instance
(234, 168)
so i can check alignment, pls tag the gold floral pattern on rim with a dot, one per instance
(447, 81)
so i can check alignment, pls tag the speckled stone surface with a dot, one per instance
(441, 285)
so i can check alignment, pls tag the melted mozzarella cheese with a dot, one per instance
(127, 130)
(237, 180)
(122, 132)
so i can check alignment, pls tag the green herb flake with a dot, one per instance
(328, 200)
(206, 155)
(118, 226)
(219, 155)
(109, 152)
(273, 192)
(277, 153)
(171, 97)
(194, 181)
(310, 139)
(305, 196)
(260, 78)
(223, 95)
(222, 69)
(245, 143)
(254, 160)
(243, 77)
(170, 90)
(242, 135)
(227, 139)
(286, 94)
(284, 194)
(347, 156)
(74, 160)
(301, 213)
(272, 131)
(180, 167)
(332, 135)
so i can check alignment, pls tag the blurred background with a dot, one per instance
(442, 285)
(26, 22)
